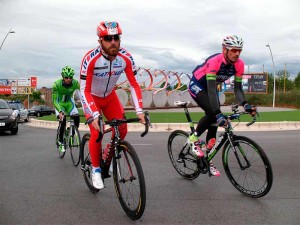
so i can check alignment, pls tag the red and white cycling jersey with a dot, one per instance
(99, 75)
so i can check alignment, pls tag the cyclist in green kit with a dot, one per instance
(63, 100)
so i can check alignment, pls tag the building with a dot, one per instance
(46, 95)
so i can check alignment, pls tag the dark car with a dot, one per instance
(41, 110)
(8, 118)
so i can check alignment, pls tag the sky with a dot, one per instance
(170, 35)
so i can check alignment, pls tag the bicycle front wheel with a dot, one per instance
(74, 145)
(129, 181)
(247, 167)
(86, 163)
(184, 163)
(60, 153)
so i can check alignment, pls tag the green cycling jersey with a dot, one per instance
(62, 95)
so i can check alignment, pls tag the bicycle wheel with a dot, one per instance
(60, 154)
(86, 163)
(129, 181)
(184, 163)
(247, 167)
(74, 145)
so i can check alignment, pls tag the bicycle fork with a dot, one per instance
(130, 177)
(236, 150)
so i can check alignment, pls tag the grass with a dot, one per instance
(179, 117)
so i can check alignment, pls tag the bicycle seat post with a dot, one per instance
(189, 119)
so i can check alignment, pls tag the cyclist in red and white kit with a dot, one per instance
(100, 69)
(203, 88)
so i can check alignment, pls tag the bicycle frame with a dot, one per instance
(115, 138)
(227, 135)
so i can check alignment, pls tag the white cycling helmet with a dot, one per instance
(233, 41)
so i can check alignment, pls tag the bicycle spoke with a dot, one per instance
(247, 167)
(129, 181)
(178, 151)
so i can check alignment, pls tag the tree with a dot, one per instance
(282, 81)
(36, 95)
(270, 82)
(297, 82)
(169, 88)
(183, 88)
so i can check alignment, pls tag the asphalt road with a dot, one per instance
(36, 187)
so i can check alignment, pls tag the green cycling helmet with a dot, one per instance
(67, 71)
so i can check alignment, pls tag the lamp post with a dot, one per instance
(268, 45)
(9, 32)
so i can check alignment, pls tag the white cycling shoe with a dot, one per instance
(213, 170)
(97, 179)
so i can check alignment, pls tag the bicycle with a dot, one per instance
(127, 171)
(71, 140)
(245, 163)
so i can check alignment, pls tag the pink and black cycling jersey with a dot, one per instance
(214, 65)
(99, 75)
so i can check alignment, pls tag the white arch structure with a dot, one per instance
(159, 97)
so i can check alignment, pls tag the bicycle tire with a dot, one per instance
(129, 181)
(74, 145)
(254, 181)
(60, 154)
(178, 149)
(86, 164)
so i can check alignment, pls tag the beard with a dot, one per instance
(112, 50)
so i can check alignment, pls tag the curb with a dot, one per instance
(168, 127)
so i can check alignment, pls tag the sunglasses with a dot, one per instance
(111, 37)
(68, 78)
(234, 50)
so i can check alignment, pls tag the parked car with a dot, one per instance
(21, 110)
(8, 118)
(41, 110)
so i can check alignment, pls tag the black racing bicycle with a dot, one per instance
(71, 141)
(245, 163)
(127, 170)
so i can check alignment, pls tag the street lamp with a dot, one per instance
(268, 45)
(9, 32)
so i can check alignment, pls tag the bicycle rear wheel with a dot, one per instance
(129, 181)
(86, 163)
(60, 154)
(74, 145)
(247, 167)
(184, 163)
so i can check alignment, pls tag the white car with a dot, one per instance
(20, 109)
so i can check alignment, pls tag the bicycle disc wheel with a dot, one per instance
(60, 154)
(129, 181)
(74, 145)
(184, 163)
(252, 174)
(86, 163)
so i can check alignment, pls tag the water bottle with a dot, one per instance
(210, 144)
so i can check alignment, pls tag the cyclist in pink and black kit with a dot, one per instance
(100, 69)
(203, 88)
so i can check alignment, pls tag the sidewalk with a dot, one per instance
(168, 127)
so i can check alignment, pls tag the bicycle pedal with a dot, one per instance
(83, 168)
(180, 160)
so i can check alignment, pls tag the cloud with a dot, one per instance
(160, 35)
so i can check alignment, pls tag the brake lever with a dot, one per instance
(148, 123)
